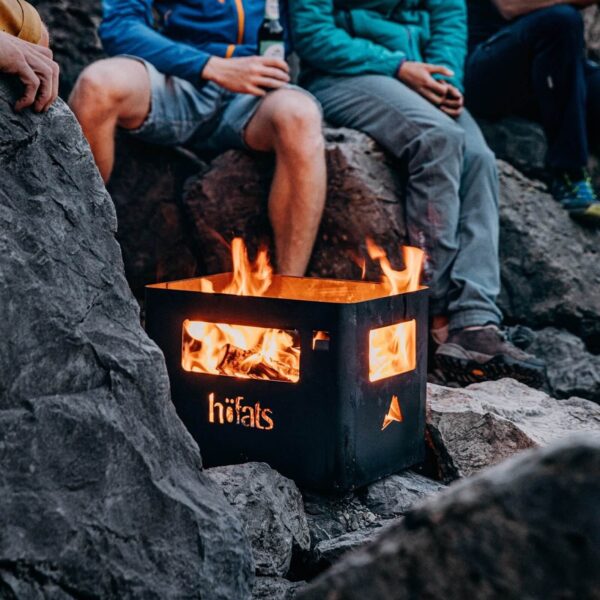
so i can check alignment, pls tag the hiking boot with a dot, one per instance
(474, 355)
(577, 197)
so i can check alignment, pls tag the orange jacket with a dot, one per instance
(19, 18)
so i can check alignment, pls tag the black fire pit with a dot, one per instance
(304, 378)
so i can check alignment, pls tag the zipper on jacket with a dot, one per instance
(241, 17)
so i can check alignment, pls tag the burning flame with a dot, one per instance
(241, 350)
(392, 349)
(399, 282)
(264, 353)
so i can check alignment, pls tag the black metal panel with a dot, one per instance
(326, 432)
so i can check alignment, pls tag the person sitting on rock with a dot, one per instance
(24, 52)
(186, 73)
(394, 71)
(526, 58)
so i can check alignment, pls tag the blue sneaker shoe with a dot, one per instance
(578, 198)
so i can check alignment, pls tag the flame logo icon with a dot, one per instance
(394, 413)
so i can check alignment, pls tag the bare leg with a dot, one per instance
(110, 92)
(289, 123)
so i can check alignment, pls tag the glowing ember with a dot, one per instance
(240, 351)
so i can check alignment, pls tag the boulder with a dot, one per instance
(340, 524)
(518, 141)
(270, 508)
(571, 369)
(101, 485)
(485, 423)
(395, 495)
(275, 588)
(331, 517)
(74, 39)
(550, 265)
(327, 552)
(363, 200)
(146, 187)
(527, 528)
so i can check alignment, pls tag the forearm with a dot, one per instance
(510, 9)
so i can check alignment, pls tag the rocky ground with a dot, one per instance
(103, 492)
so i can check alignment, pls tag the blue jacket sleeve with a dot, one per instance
(448, 43)
(127, 29)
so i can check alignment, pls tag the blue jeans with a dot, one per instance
(535, 67)
(451, 193)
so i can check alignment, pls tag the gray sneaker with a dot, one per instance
(473, 355)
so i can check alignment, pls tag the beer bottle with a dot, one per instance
(270, 34)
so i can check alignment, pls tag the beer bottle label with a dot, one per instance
(272, 9)
(272, 49)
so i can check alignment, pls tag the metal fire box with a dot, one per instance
(332, 425)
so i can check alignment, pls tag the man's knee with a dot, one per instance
(297, 123)
(104, 85)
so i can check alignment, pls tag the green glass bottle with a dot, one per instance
(270, 34)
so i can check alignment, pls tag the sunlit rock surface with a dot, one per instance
(485, 423)
(527, 528)
(101, 489)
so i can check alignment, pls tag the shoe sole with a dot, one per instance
(466, 371)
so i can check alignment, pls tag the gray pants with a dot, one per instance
(452, 188)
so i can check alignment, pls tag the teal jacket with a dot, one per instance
(359, 37)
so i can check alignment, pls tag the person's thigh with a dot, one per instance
(177, 110)
(498, 75)
(383, 107)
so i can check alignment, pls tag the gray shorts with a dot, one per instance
(205, 118)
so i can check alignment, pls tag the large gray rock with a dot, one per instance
(363, 200)
(571, 369)
(528, 528)
(331, 517)
(518, 141)
(270, 507)
(550, 265)
(485, 423)
(327, 552)
(73, 28)
(101, 486)
(395, 495)
(275, 588)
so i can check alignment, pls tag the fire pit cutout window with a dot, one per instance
(392, 350)
(241, 351)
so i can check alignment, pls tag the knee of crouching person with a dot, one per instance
(298, 126)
